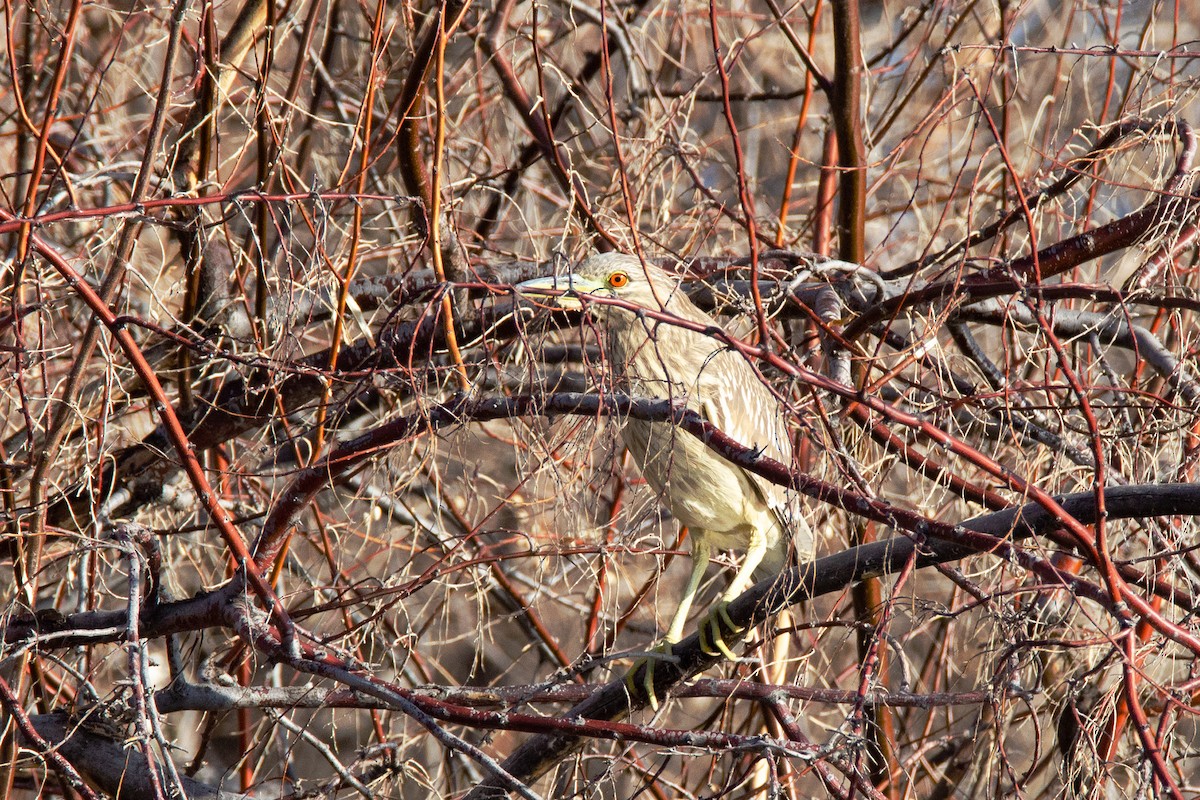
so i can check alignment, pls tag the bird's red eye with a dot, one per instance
(618, 280)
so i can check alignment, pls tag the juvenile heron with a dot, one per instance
(723, 505)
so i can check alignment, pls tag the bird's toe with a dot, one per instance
(718, 631)
(645, 668)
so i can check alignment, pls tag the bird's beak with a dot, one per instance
(566, 289)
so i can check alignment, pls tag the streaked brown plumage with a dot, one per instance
(723, 505)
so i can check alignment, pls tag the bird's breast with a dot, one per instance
(701, 489)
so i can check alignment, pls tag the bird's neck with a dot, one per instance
(650, 358)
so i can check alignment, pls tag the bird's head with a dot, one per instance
(614, 275)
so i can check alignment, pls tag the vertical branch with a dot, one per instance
(29, 550)
(611, 106)
(827, 193)
(265, 135)
(744, 195)
(49, 117)
(366, 116)
(410, 153)
(785, 202)
(848, 123)
(440, 239)
(65, 410)
(851, 221)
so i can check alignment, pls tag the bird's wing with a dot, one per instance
(733, 398)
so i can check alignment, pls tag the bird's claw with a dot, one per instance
(717, 632)
(660, 653)
(714, 629)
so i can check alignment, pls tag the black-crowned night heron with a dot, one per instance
(723, 505)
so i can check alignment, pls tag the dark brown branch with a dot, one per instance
(537, 755)
(116, 770)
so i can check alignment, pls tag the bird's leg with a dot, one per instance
(701, 552)
(718, 623)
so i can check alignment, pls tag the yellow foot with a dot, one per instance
(718, 631)
(660, 653)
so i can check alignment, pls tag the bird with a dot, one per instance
(724, 506)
